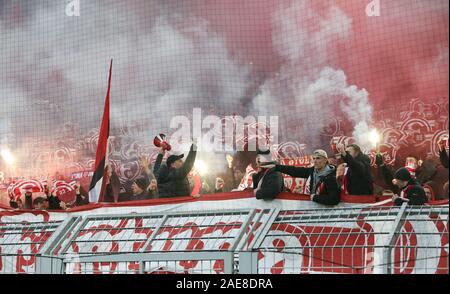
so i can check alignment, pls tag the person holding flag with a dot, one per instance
(97, 188)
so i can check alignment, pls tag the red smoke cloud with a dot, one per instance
(401, 54)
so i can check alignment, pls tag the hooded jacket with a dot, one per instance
(327, 189)
(359, 174)
(413, 192)
(174, 182)
(272, 184)
(443, 156)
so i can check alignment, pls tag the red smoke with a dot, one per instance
(401, 54)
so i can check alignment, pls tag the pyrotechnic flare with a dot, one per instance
(374, 138)
(201, 167)
(8, 157)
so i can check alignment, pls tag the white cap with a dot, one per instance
(320, 152)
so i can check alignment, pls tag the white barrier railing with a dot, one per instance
(352, 240)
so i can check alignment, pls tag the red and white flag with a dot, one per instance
(97, 188)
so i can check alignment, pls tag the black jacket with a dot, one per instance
(174, 182)
(387, 174)
(443, 156)
(13, 204)
(272, 184)
(53, 203)
(359, 175)
(157, 165)
(329, 194)
(28, 204)
(414, 192)
(81, 200)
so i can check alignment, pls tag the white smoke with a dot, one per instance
(10, 98)
(306, 83)
(165, 63)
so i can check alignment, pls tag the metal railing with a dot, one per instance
(21, 242)
(351, 240)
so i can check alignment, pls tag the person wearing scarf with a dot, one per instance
(323, 185)
(267, 182)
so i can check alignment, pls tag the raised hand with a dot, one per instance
(229, 158)
(441, 144)
(144, 162)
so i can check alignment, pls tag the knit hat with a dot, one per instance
(263, 155)
(172, 158)
(402, 174)
(320, 152)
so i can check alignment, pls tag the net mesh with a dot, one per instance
(325, 69)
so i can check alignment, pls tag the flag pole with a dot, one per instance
(98, 183)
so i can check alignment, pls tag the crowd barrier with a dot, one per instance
(228, 233)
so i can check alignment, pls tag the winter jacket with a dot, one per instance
(272, 184)
(28, 202)
(174, 182)
(443, 156)
(359, 175)
(53, 203)
(414, 192)
(386, 172)
(427, 171)
(13, 204)
(327, 189)
(157, 165)
(81, 200)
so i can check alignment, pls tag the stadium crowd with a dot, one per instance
(348, 172)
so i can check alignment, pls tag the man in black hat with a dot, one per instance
(267, 182)
(172, 177)
(411, 191)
